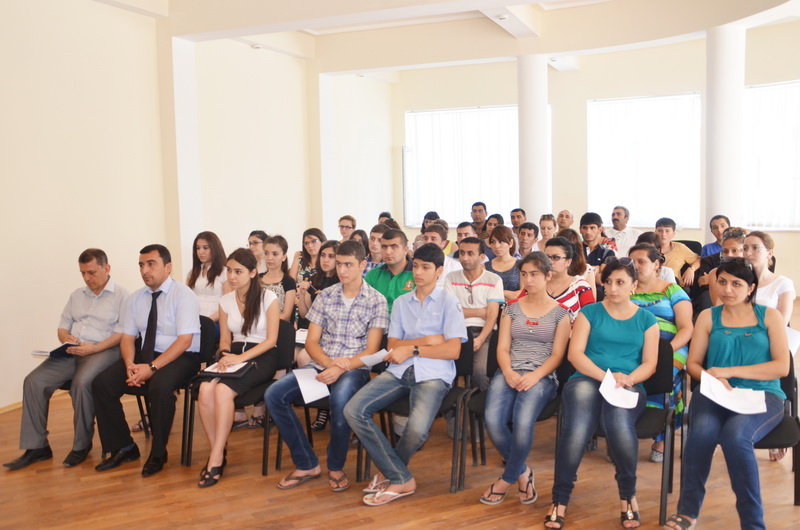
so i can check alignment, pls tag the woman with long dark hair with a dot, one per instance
(249, 316)
(207, 277)
(304, 263)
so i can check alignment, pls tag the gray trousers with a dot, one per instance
(479, 377)
(47, 378)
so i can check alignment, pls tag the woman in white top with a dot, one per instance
(250, 315)
(207, 277)
(773, 290)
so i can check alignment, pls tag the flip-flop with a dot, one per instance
(296, 480)
(375, 485)
(338, 482)
(486, 500)
(535, 495)
(385, 497)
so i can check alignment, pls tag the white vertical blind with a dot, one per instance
(644, 153)
(455, 157)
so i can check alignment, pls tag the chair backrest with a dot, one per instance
(208, 339)
(694, 246)
(285, 345)
(789, 387)
(661, 381)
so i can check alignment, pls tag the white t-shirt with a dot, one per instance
(769, 294)
(625, 238)
(235, 319)
(450, 265)
(487, 288)
(208, 295)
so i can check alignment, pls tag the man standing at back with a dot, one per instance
(167, 315)
(374, 258)
(564, 219)
(624, 235)
(92, 321)
(479, 214)
(518, 217)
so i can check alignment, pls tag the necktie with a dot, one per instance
(149, 345)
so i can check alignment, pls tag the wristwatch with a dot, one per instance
(416, 351)
(153, 367)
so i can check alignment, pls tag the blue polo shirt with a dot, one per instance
(439, 314)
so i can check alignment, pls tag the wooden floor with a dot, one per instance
(46, 495)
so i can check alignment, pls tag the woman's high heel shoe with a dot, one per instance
(210, 477)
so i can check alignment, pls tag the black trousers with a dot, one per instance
(110, 386)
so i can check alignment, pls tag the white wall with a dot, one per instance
(253, 143)
(357, 150)
(79, 161)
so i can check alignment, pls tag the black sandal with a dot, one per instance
(221, 468)
(323, 415)
(683, 522)
(210, 477)
(629, 515)
(555, 518)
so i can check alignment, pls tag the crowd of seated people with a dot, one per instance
(421, 300)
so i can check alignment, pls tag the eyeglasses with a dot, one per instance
(625, 262)
(556, 258)
(254, 243)
(345, 227)
(470, 300)
(755, 248)
(310, 242)
(736, 259)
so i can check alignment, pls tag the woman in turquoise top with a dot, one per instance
(612, 335)
(744, 345)
(672, 307)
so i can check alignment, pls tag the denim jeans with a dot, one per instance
(506, 405)
(710, 425)
(584, 408)
(279, 397)
(425, 399)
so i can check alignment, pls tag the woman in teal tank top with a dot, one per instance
(613, 335)
(745, 346)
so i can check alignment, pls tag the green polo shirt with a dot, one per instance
(389, 285)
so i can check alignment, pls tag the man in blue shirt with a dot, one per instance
(168, 358)
(425, 335)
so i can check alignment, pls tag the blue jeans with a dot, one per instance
(279, 397)
(425, 398)
(584, 408)
(506, 405)
(710, 425)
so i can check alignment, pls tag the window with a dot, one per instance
(644, 153)
(771, 156)
(455, 157)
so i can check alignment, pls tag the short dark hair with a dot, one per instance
(479, 203)
(348, 218)
(564, 243)
(468, 224)
(666, 221)
(430, 253)
(527, 225)
(653, 254)
(498, 217)
(614, 264)
(431, 215)
(504, 234)
(379, 228)
(260, 234)
(436, 227)
(719, 217)
(395, 233)
(385, 214)
(391, 223)
(646, 237)
(90, 254)
(475, 241)
(353, 248)
(539, 260)
(591, 218)
(163, 252)
(742, 269)
(519, 210)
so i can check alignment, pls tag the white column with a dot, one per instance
(535, 185)
(724, 103)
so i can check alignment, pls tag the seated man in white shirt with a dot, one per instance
(480, 293)
(624, 235)
(92, 320)
(436, 233)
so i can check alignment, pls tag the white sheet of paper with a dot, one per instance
(40, 353)
(214, 368)
(300, 336)
(619, 397)
(740, 400)
(374, 358)
(311, 389)
(794, 339)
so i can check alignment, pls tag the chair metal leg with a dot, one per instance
(666, 471)
(309, 432)
(265, 456)
(482, 440)
(144, 415)
(796, 468)
(473, 433)
(188, 428)
(456, 448)
(279, 455)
